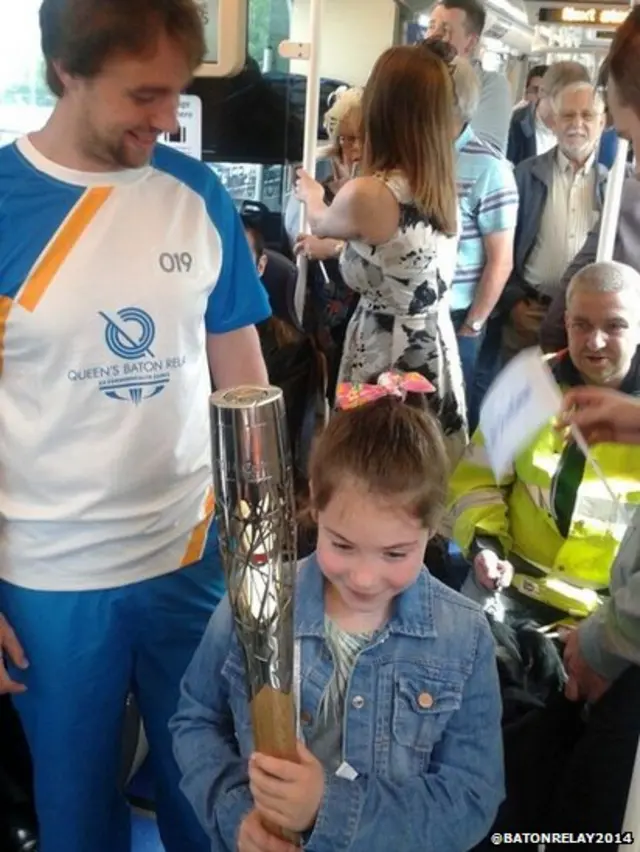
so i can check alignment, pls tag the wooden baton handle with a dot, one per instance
(274, 733)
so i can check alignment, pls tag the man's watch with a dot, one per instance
(476, 326)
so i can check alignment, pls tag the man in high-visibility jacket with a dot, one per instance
(543, 539)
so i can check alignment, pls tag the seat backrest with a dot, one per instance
(270, 224)
(280, 278)
(299, 368)
(253, 211)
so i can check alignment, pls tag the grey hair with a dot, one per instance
(466, 85)
(598, 100)
(605, 277)
(561, 74)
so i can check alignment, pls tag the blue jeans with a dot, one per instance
(488, 365)
(469, 349)
(86, 651)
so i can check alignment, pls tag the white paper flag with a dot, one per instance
(522, 399)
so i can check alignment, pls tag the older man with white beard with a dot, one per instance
(561, 194)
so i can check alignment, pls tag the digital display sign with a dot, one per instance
(583, 16)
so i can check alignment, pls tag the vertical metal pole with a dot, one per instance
(611, 207)
(310, 136)
(606, 243)
(632, 816)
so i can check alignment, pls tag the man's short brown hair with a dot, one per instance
(81, 35)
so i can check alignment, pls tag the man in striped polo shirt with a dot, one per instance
(488, 200)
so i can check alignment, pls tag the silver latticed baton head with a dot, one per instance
(255, 512)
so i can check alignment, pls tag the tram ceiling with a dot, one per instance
(415, 7)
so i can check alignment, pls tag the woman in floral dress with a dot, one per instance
(399, 223)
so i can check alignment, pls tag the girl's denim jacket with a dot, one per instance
(421, 726)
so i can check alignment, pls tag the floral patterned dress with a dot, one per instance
(402, 320)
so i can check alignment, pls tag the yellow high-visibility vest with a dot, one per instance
(519, 511)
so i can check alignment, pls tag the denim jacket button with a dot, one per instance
(425, 700)
(358, 702)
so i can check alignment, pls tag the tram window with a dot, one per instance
(269, 24)
(249, 182)
(25, 100)
(260, 37)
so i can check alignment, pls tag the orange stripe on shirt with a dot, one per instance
(198, 537)
(5, 307)
(63, 243)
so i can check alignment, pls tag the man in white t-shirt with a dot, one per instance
(125, 276)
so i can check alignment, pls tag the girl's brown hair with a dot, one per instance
(407, 115)
(395, 449)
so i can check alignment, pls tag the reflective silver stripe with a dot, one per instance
(558, 593)
(521, 567)
(473, 500)
(540, 497)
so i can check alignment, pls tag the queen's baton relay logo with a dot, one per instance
(137, 372)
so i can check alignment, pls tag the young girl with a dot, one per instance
(399, 704)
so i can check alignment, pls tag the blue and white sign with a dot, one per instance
(188, 136)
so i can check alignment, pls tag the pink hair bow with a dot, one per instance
(351, 395)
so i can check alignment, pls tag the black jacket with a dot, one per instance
(522, 135)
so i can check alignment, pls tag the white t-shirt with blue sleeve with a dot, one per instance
(109, 284)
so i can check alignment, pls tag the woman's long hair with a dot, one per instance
(408, 108)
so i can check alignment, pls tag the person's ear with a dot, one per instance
(474, 41)
(69, 82)
(262, 264)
